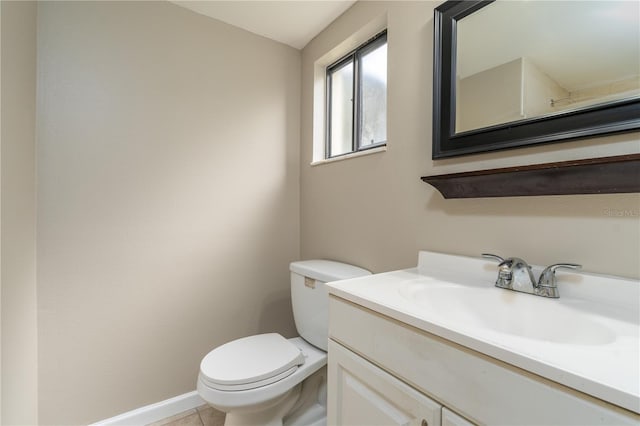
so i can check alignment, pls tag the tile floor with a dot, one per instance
(201, 416)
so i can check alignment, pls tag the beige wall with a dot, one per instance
(171, 196)
(19, 309)
(538, 90)
(0, 217)
(492, 96)
(168, 199)
(375, 212)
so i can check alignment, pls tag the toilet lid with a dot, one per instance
(257, 360)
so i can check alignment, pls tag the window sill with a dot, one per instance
(351, 155)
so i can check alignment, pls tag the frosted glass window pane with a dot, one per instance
(373, 113)
(341, 110)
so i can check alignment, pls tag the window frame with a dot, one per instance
(354, 57)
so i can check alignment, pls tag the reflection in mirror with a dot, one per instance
(578, 54)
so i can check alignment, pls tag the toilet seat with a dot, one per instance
(250, 362)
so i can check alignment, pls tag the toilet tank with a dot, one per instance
(310, 296)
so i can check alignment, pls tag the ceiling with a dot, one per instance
(292, 22)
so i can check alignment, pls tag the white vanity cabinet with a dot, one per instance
(449, 418)
(385, 372)
(362, 394)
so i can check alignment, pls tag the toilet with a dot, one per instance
(269, 380)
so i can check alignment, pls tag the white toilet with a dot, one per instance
(268, 380)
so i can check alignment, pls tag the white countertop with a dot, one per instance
(603, 361)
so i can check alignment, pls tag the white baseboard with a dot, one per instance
(154, 412)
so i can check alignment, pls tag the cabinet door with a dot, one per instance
(449, 418)
(362, 394)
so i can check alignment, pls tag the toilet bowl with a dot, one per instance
(265, 404)
(269, 380)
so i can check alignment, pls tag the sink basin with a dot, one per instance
(588, 339)
(508, 312)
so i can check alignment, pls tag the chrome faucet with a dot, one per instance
(515, 274)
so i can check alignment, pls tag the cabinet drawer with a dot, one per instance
(363, 394)
(482, 389)
(449, 418)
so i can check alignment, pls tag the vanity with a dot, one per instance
(439, 344)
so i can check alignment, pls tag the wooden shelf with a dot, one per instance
(606, 175)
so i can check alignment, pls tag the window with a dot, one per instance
(357, 99)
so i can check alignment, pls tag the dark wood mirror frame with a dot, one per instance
(614, 117)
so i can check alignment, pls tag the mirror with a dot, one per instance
(514, 73)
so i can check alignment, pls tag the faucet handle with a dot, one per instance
(493, 256)
(564, 265)
(505, 276)
(550, 271)
(548, 276)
